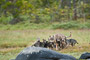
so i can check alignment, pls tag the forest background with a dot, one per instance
(38, 14)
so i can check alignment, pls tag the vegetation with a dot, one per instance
(55, 25)
(42, 11)
(13, 41)
(71, 25)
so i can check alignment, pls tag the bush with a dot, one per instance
(66, 25)
(27, 25)
(5, 20)
(87, 24)
(71, 25)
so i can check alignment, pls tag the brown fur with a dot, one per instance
(59, 37)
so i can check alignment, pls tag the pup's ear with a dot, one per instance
(50, 36)
(43, 39)
(38, 38)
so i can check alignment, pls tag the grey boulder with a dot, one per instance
(85, 55)
(38, 53)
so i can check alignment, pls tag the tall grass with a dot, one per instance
(13, 41)
(5, 20)
(27, 25)
(71, 25)
(23, 38)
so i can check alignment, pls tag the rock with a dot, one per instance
(38, 53)
(85, 55)
(12, 59)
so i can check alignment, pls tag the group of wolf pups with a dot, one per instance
(57, 41)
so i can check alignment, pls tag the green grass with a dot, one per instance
(24, 26)
(13, 41)
(56, 25)
(71, 25)
(9, 53)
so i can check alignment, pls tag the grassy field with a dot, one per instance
(13, 41)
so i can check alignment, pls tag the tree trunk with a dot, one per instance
(75, 10)
(62, 3)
